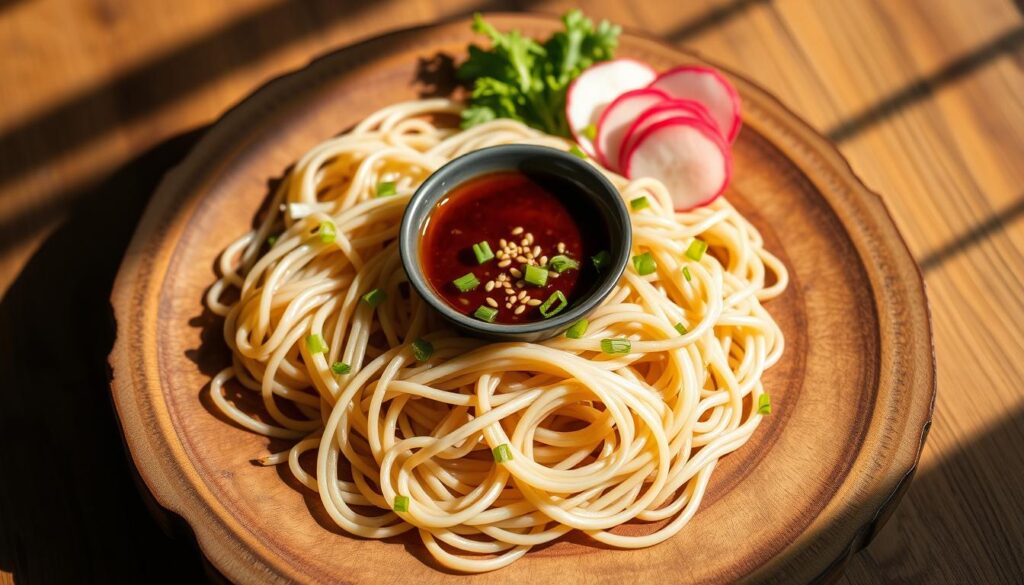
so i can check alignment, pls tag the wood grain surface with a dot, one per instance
(924, 97)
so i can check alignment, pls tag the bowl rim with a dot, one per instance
(438, 184)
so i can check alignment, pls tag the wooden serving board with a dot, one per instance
(852, 396)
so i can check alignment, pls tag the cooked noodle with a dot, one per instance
(597, 440)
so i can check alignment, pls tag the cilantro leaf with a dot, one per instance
(520, 79)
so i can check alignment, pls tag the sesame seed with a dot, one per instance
(561, 247)
(499, 254)
(504, 263)
(492, 302)
(522, 295)
(489, 286)
(517, 231)
(520, 309)
(508, 305)
(502, 243)
(536, 250)
(552, 274)
(529, 237)
(515, 272)
(524, 242)
(520, 284)
(543, 260)
(508, 284)
(533, 302)
(464, 301)
(519, 259)
(529, 255)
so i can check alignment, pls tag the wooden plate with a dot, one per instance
(852, 396)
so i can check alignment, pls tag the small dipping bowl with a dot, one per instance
(544, 165)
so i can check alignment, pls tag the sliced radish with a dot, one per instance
(710, 88)
(617, 117)
(687, 156)
(590, 93)
(662, 111)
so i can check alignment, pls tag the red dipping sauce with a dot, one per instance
(510, 206)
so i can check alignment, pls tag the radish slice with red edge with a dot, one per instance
(709, 87)
(688, 156)
(590, 93)
(617, 117)
(658, 112)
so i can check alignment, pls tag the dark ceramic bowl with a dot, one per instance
(534, 161)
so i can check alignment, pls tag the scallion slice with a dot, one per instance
(561, 263)
(485, 313)
(315, 343)
(645, 264)
(502, 453)
(590, 132)
(535, 275)
(601, 260)
(764, 404)
(639, 203)
(578, 329)
(616, 345)
(341, 368)
(375, 297)
(401, 504)
(327, 232)
(386, 188)
(680, 328)
(422, 350)
(466, 282)
(696, 250)
(548, 310)
(686, 273)
(576, 150)
(483, 252)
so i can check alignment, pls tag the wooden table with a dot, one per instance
(100, 97)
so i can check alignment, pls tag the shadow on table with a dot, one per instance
(69, 511)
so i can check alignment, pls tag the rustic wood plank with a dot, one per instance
(945, 155)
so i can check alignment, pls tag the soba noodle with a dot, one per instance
(597, 440)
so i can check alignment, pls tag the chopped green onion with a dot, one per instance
(562, 263)
(271, 240)
(578, 329)
(466, 282)
(645, 264)
(547, 310)
(502, 453)
(327, 232)
(483, 252)
(316, 344)
(601, 260)
(385, 188)
(401, 504)
(485, 313)
(590, 132)
(535, 275)
(686, 273)
(341, 368)
(680, 328)
(764, 404)
(422, 350)
(696, 250)
(616, 345)
(577, 151)
(639, 203)
(375, 297)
